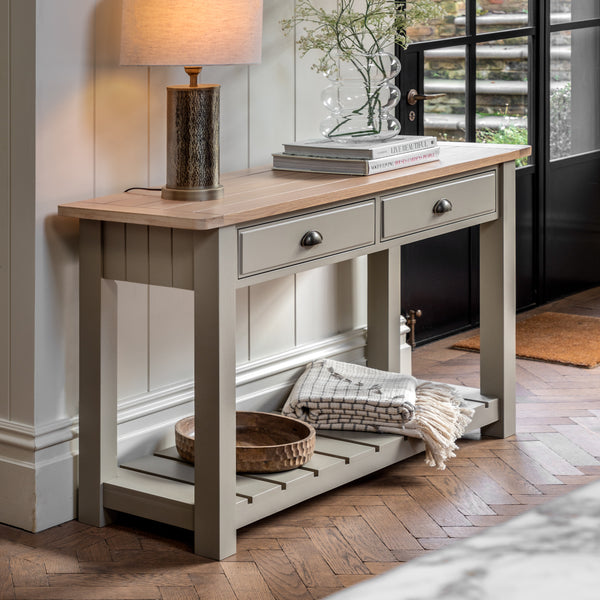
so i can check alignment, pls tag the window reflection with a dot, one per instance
(496, 15)
(502, 89)
(564, 11)
(445, 73)
(574, 89)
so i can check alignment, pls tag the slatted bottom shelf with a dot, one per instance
(160, 487)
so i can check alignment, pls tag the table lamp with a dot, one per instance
(191, 33)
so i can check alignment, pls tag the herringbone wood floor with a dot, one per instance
(349, 534)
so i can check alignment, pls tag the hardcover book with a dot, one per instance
(353, 166)
(328, 148)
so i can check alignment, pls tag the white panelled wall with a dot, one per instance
(73, 125)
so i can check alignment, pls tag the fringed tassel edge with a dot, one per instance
(441, 418)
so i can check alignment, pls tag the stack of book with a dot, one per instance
(356, 158)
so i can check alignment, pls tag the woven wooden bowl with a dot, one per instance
(265, 442)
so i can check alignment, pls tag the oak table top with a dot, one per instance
(263, 192)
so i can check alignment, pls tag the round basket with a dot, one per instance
(265, 442)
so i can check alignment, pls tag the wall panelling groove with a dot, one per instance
(4, 208)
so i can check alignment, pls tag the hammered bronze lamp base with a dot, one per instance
(193, 142)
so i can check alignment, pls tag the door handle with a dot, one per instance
(413, 97)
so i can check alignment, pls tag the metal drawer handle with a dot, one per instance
(311, 238)
(442, 206)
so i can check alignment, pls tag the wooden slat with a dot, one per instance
(183, 265)
(432, 501)
(507, 477)
(279, 574)
(170, 452)
(340, 449)
(320, 464)
(550, 460)
(178, 592)
(140, 592)
(567, 449)
(482, 484)
(136, 247)
(377, 441)
(151, 497)
(286, 479)
(160, 256)
(336, 551)
(310, 564)
(213, 585)
(389, 528)
(462, 496)
(247, 580)
(162, 467)
(113, 249)
(252, 489)
(363, 539)
(526, 467)
(27, 573)
(413, 517)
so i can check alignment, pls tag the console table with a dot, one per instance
(268, 225)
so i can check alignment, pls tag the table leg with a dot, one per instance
(383, 311)
(97, 376)
(498, 306)
(214, 373)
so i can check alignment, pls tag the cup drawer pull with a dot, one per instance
(311, 238)
(442, 206)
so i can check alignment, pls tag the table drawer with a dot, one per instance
(306, 237)
(437, 205)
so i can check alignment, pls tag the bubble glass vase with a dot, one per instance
(361, 98)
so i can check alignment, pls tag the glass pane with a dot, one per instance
(445, 74)
(574, 90)
(451, 25)
(563, 11)
(502, 92)
(496, 15)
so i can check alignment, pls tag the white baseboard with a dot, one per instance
(146, 421)
(38, 474)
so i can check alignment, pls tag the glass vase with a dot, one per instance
(361, 98)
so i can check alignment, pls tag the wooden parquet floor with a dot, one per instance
(352, 533)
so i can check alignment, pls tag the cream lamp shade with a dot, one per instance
(192, 34)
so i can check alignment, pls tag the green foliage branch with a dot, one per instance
(354, 27)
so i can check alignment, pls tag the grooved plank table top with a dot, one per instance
(263, 192)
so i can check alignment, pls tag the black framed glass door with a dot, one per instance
(508, 71)
(571, 211)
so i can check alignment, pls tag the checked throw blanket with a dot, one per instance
(343, 396)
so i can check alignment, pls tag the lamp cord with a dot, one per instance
(142, 188)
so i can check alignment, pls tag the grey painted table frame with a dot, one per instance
(215, 267)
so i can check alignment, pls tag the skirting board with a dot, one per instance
(146, 421)
(46, 492)
(38, 474)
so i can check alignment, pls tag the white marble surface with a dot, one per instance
(547, 553)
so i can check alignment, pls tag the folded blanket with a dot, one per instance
(343, 396)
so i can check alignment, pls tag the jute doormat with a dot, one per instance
(553, 337)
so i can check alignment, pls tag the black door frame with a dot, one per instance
(532, 179)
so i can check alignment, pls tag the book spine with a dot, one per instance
(380, 165)
(402, 148)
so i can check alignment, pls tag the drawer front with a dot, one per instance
(307, 237)
(437, 205)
